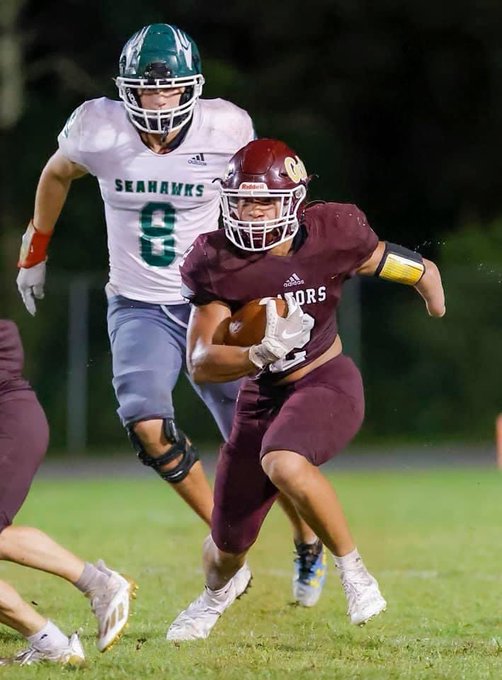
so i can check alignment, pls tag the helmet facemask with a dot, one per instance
(160, 121)
(261, 235)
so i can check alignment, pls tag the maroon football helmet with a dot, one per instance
(264, 168)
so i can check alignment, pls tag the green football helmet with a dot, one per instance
(156, 57)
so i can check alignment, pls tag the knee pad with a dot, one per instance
(180, 447)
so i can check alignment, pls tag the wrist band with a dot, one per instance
(34, 246)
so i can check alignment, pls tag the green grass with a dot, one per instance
(433, 539)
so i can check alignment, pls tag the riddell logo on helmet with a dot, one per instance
(253, 186)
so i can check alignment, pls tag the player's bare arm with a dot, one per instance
(52, 190)
(208, 360)
(430, 287)
(53, 187)
(399, 264)
(211, 361)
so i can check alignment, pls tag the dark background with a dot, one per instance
(395, 104)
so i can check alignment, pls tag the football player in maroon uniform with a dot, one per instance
(24, 436)
(303, 400)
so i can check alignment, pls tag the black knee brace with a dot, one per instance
(180, 446)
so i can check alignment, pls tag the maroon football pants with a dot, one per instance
(315, 417)
(24, 436)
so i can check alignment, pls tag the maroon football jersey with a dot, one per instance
(11, 358)
(337, 240)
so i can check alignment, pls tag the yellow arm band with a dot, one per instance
(401, 265)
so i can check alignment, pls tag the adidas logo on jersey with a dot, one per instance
(294, 280)
(198, 159)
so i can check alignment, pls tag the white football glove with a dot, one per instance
(282, 335)
(30, 284)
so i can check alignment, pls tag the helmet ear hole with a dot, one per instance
(187, 95)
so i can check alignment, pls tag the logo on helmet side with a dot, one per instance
(295, 169)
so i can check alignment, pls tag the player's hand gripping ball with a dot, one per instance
(247, 326)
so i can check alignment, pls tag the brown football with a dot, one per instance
(247, 326)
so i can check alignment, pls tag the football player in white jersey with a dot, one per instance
(155, 154)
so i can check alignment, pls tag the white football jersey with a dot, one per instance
(155, 204)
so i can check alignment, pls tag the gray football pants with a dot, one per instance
(148, 343)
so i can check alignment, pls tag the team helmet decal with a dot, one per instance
(295, 169)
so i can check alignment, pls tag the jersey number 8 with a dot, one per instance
(157, 234)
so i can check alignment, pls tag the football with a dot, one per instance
(247, 326)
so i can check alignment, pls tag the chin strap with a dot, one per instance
(174, 143)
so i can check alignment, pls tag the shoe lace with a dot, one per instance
(306, 558)
(206, 610)
(97, 604)
(199, 609)
(25, 657)
(101, 597)
(32, 654)
(354, 583)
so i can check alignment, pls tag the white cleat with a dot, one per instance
(242, 580)
(71, 655)
(110, 606)
(199, 618)
(363, 595)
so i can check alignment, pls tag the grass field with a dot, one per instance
(433, 539)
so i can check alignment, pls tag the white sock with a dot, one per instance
(91, 579)
(48, 637)
(220, 594)
(348, 561)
